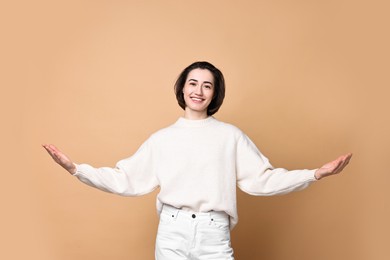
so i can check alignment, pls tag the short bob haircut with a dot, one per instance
(219, 85)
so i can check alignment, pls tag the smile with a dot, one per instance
(197, 99)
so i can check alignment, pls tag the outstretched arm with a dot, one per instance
(333, 167)
(256, 176)
(133, 176)
(60, 158)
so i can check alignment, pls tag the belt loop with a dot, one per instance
(211, 215)
(175, 213)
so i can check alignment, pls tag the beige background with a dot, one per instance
(306, 80)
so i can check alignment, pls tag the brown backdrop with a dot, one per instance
(306, 80)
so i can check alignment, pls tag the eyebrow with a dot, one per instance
(203, 82)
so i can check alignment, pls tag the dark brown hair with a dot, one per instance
(219, 85)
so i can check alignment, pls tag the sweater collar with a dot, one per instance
(184, 122)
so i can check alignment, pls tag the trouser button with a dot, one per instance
(193, 216)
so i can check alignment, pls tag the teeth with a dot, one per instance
(197, 99)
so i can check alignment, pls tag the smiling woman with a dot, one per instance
(197, 162)
(197, 81)
(198, 93)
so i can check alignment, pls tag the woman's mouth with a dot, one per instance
(197, 100)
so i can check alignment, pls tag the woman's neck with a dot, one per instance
(193, 115)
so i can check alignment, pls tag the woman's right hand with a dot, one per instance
(60, 158)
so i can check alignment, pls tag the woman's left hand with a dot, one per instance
(333, 167)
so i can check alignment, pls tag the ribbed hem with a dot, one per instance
(184, 122)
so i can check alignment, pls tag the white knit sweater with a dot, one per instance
(197, 165)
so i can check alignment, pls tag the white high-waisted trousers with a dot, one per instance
(193, 235)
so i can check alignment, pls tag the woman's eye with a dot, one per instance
(192, 84)
(207, 86)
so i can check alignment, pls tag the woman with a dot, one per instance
(197, 162)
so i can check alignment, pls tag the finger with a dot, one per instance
(55, 156)
(349, 156)
(344, 161)
(53, 153)
(338, 162)
(54, 150)
(52, 147)
(46, 147)
(337, 165)
(49, 151)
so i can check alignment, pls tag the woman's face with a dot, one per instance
(198, 93)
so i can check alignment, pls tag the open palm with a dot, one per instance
(333, 167)
(60, 158)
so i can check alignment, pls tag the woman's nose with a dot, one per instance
(198, 90)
